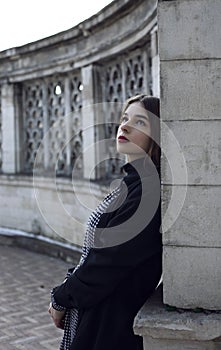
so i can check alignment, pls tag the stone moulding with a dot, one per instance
(156, 322)
(40, 244)
(119, 26)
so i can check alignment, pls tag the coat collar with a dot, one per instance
(139, 168)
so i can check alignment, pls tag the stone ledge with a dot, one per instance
(40, 244)
(156, 322)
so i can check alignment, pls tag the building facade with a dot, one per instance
(60, 105)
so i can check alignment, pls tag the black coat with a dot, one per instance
(115, 280)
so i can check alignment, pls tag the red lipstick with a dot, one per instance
(122, 139)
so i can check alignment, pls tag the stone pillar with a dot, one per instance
(8, 129)
(88, 118)
(155, 71)
(190, 66)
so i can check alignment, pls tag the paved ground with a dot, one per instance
(26, 279)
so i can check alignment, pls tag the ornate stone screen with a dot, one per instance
(127, 75)
(52, 124)
(52, 114)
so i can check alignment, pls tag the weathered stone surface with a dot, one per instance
(155, 62)
(8, 127)
(198, 148)
(162, 328)
(88, 121)
(197, 223)
(190, 89)
(40, 244)
(58, 210)
(190, 106)
(189, 29)
(192, 277)
(170, 344)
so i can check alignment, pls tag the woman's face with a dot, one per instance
(134, 131)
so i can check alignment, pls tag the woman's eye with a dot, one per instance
(123, 120)
(140, 123)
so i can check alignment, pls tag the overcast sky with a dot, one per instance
(24, 21)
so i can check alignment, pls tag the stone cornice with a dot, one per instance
(119, 26)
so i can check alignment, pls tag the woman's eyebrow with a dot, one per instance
(141, 116)
(138, 116)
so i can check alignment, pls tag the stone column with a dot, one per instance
(88, 121)
(190, 67)
(8, 129)
(155, 71)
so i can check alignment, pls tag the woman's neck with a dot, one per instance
(133, 157)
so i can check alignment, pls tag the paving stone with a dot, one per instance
(26, 280)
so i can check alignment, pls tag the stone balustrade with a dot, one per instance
(59, 110)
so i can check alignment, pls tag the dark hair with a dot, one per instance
(152, 105)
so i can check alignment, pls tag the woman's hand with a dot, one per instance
(57, 316)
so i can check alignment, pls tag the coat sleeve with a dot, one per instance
(104, 268)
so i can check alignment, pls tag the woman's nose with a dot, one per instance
(125, 127)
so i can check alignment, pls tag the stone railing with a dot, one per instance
(46, 85)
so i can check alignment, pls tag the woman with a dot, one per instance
(121, 263)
